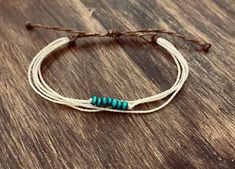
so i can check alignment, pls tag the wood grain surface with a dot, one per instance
(196, 130)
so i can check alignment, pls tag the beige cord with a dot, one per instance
(40, 87)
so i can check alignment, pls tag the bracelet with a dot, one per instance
(96, 103)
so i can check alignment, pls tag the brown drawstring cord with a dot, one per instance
(115, 33)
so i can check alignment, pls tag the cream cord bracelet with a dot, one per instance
(95, 104)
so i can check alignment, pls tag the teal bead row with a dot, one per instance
(108, 101)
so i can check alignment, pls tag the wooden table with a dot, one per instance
(196, 130)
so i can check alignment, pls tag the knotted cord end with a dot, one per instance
(206, 47)
(28, 25)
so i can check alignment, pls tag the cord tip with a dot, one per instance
(206, 47)
(28, 25)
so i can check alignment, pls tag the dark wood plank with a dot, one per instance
(195, 131)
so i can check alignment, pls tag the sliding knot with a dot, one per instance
(113, 33)
(206, 47)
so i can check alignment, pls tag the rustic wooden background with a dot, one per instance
(196, 130)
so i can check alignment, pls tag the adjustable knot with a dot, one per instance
(206, 47)
(113, 33)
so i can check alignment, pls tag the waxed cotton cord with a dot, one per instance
(39, 85)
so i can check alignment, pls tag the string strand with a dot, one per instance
(204, 46)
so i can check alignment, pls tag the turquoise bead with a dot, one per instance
(104, 101)
(119, 103)
(94, 100)
(110, 100)
(124, 105)
(98, 103)
(114, 103)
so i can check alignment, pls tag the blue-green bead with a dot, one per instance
(119, 103)
(124, 105)
(98, 103)
(110, 100)
(114, 103)
(94, 100)
(104, 101)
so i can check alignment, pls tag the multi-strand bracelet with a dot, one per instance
(96, 103)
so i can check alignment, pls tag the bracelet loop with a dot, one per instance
(95, 104)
